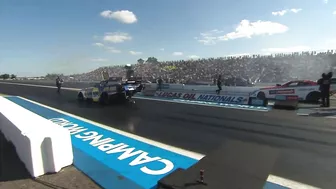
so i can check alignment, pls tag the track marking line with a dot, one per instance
(289, 183)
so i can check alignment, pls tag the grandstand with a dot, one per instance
(255, 68)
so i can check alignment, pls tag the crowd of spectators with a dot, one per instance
(254, 68)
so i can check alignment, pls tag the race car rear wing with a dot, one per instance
(130, 82)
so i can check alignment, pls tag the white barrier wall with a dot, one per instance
(226, 90)
(42, 146)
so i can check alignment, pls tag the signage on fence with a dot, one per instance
(186, 96)
(230, 99)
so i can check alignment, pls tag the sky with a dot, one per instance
(75, 36)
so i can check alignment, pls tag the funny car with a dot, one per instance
(306, 90)
(107, 91)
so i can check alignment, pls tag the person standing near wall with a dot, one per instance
(324, 83)
(160, 81)
(219, 84)
(59, 83)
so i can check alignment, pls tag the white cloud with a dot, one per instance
(177, 53)
(115, 51)
(279, 13)
(117, 37)
(216, 31)
(334, 13)
(98, 44)
(209, 38)
(193, 57)
(98, 60)
(295, 10)
(162, 49)
(135, 53)
(112, 50)
(283, 12)
(287, 49)
(109, 49)
(123, 16)
(245, 29)
(325, 1)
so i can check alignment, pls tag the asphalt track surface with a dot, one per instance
(307, 144)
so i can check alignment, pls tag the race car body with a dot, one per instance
(306, 90)
(134, 83)
(107, 91)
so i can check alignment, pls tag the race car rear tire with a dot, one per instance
(80, 97)
(104, 99)
(261, 96)
(313, 97)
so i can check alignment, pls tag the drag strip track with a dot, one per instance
(308, 144)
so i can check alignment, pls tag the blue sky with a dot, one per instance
(74, 36)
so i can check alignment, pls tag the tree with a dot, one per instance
(53, 76)
(4, 76)
(152, 60)
(13, 76)
(141, 61)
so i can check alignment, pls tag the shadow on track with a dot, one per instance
(11, 167)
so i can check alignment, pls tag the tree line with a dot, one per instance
(53, 75)
(7, 76)
(149, 60)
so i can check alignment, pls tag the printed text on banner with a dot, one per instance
(230, 99)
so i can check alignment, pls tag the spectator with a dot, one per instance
(255, 68)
